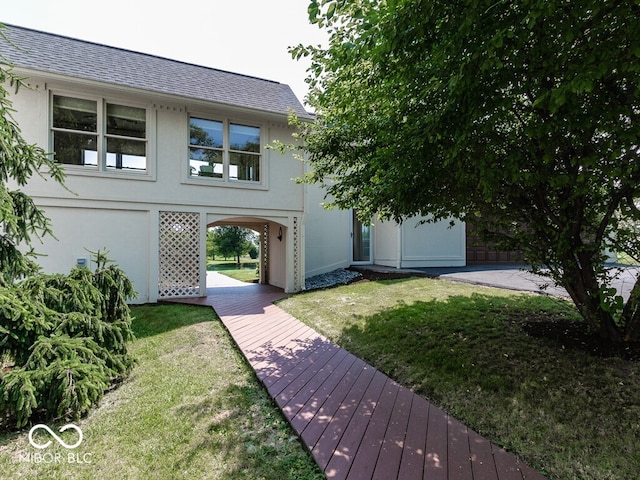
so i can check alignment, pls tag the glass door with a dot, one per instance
(361, 236)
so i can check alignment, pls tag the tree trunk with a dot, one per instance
(582, 285)
(631, 315)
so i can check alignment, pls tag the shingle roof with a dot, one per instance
(51, 53)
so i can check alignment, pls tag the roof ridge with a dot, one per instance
(135, 52)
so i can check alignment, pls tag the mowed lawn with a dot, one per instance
(516, 368)
(192, 409)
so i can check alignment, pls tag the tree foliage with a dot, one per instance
(521, 117)
(63, 338)
(231, 240)
(19, 217)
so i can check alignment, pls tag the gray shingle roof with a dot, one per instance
(51, 53)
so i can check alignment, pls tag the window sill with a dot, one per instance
(111, 174)
(220, 183)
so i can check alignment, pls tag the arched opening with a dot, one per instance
(183, 258)
(234, 251)
(276, 257)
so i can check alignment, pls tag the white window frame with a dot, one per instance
(101, 133)
(226, 180)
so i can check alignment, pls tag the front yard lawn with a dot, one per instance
(515, 367)
(191, 409)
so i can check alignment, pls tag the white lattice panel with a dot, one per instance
(179, 254)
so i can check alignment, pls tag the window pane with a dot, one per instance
(204, 162)
(75, 114)
(243, 166)
(75, 148)
(126, 121)
(126, 154)
(244, 138)
(207, 133)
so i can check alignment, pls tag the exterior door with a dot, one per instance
(361, 237)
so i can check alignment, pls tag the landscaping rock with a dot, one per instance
(340, 276)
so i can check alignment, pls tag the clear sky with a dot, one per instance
(243, 36)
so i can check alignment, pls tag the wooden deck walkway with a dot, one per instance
(357, 422)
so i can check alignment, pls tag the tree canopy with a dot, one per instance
(521, 117)
(63, 338)
(20, 218)
(231, 240)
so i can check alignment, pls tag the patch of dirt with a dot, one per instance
(574, 335)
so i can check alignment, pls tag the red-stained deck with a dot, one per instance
(357, 422)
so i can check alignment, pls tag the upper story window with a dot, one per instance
(99, 135)
(228, 151)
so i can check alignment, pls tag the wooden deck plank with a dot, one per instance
(314, 365)
(388, 465)
(436, 459)
(345, 451)
(308, 413)
(482, 461)
(459, 457)
(359, 423)
(345, 409)
(287, 331)
(506, 467)
(303, 397)
(296, 358)
(412, 463)
(323, 417)
(364, 463)
(297, 372)
(269, 359)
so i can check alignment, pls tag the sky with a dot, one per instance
(250, 37)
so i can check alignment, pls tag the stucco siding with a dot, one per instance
(125, 234)
(327, 239)
(432, 244)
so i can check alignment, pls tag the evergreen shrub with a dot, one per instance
(63, 340)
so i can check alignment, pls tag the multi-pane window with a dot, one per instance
(224, 150)
(99, 135)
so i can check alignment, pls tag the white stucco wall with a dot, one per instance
(432, 244)
(386, 244)
(118, 210)
(124, 234)
(327, 235)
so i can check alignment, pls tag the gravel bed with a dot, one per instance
(340, 276)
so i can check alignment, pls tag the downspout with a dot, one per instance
(399, 262)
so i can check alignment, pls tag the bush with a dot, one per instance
(64, 341)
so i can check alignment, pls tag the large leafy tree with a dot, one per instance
(231, 240)
(521, 117)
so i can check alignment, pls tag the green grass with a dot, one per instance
(570, 414)
(246, 272)
(192, 409)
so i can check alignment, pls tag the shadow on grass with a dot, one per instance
(463, 342)
(551, 399)
(149, 320)
(243, 426)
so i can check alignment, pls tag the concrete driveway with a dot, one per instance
(520, 277)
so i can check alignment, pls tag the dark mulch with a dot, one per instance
(375, 276)
(574, 335)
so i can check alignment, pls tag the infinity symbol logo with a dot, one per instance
(58, 439)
